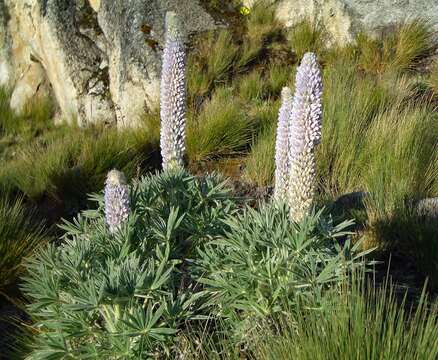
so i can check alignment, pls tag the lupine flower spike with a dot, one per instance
(173, 94)
(282, 145)
(304, 135)
(117, 207)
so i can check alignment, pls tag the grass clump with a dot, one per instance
(211, 63)
(307, 36)
(369, 324)
(64, 170)
(259, 167)
(396, 51)
(252, 87)
(221, 129)
(433, 78)
(20, 235)
(17, 129)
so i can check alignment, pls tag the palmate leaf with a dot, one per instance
(266, 264)
(127, 294)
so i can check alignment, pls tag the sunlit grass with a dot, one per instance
(221, 129)
(363, 321)
(21, 233)
(307, 36)
(396, 51)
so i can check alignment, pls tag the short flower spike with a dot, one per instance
(117, 206)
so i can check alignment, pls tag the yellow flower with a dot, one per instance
(244, 10)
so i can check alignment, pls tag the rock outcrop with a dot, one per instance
(101, 59)
(343, 19)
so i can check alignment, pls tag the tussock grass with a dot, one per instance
(262, 30)
(20, 235)
(433, 78)
(211, 62)
(259, 168)
(307, 36)
(398, 50)
(218, 56)
(278, 75)
(252, 87)
(34, 118)
(221, 129)
(17, 129)
(64, 170)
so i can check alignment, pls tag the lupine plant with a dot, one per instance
(125, 295)
(117, 203)
(282, 170)
(267, 265)
(304, 135)
(173, 94)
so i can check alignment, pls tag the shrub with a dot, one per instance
(126, 294)
(266, 264)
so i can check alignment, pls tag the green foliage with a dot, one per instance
(278, 76)
(398, 50)
(125, 295)
(266, 265)
(433, 78)
(261, 30)
(222, 128)
(34, 118)
(307, 36)
(68, 167)
(259, 165)
(219, 56)
(252, 87)
(20, 235)
(212, 62)
(362, 322)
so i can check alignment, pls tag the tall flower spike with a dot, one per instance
(282, 145)
(117, 206)
(173, 94)
(304, 135)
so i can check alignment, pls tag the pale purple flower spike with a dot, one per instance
(304, 135)
(282, 168)
(117, 207)
(173, 94)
